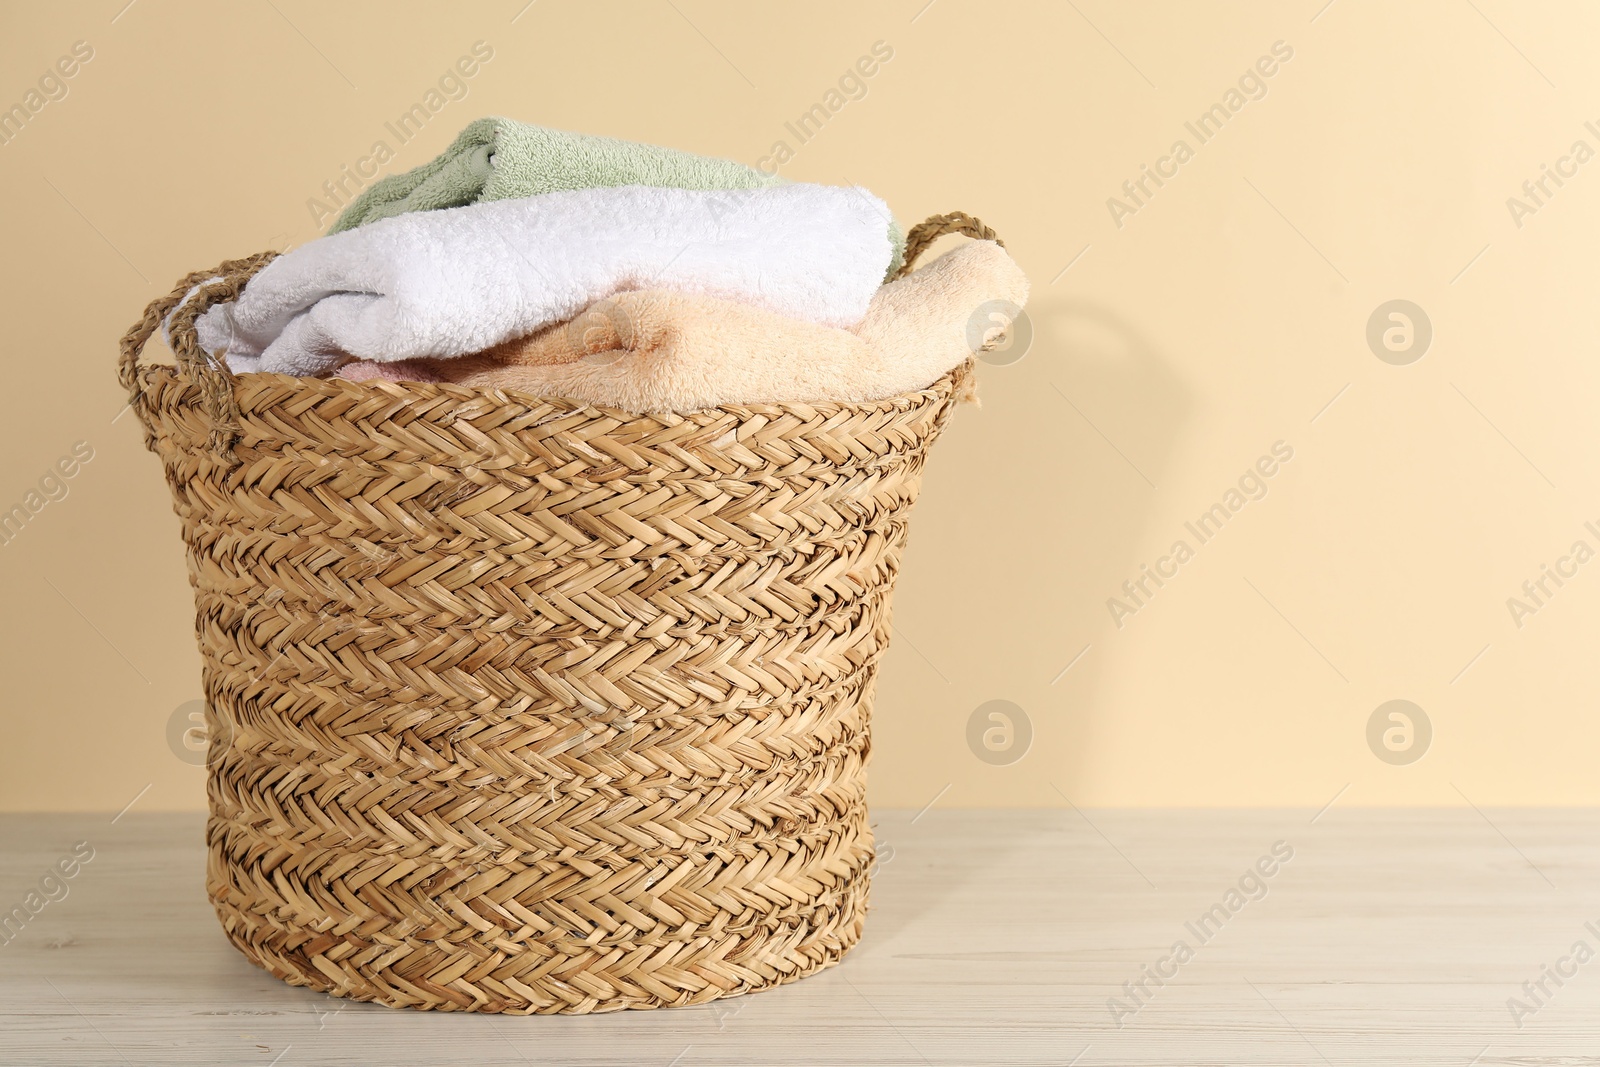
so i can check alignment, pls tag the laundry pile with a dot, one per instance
(615, 274)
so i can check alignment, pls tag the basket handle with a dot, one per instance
(221, 283)
(934, 227)
(918, 239)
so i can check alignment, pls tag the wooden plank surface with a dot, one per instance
(996, 937)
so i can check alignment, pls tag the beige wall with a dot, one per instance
(1219, 318)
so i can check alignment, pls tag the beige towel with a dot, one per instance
(656, 351)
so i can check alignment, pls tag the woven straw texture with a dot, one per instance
(518, 705)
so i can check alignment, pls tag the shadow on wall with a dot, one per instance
(1121, 413)
(1059, 474)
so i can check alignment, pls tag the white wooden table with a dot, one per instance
(996, 937)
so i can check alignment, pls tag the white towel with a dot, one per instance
(446, 283)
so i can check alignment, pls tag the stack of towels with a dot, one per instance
(615, 274)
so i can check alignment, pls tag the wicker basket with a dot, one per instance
(518, 705)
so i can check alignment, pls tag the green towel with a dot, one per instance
(498, 159)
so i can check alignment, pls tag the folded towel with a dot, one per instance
(401, 370)
(498, 159)
(658, 350)
(445, 283)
